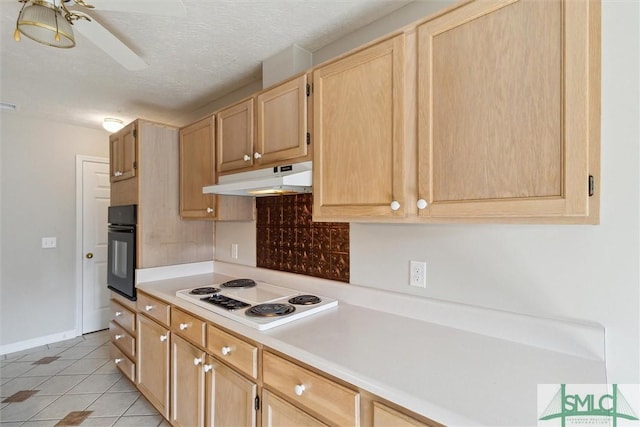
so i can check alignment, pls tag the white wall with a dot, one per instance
(578, 272)
(37, 288)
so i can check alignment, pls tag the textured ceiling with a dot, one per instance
(216, 48)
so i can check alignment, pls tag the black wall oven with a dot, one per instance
(121, 259)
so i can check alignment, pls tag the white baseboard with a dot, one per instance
(35, 342)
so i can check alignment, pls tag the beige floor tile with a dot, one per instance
(22, 411)
(95, 384)
(112, 404)
(49, 369)
(95, 339)
(65, 404)
(83, 366)
(21, 383)
(101, 352)
(164, 423)
(20, 354)
(122, 385)
(99, 422)
(66, 343)
(141, 407)
(60, 384)
(76, 352)
(39, 423)
(139, 421)
(37, 355)
(107, 368)
(15, 369)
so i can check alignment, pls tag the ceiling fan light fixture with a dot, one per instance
(112, 125)
(44, 23)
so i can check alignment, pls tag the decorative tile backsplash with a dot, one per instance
(287, 239)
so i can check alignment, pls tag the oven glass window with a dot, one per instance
(119, 256)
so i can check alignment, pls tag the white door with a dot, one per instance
(95, 203)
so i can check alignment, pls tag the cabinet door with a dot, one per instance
(197, 169)
(282, 122)
(153, 363)
(383, 416)
(234, 134)
(505, 95)
(358, 133)
(123, 153)
(278, 413)
(187, 383)
(230, 397)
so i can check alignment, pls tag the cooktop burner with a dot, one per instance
(239, 283)
(305, 300)
(270, 310)
(204, 291)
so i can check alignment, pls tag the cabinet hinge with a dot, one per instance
(308, 89)
(135, 165)
(308, 138)
(257, 403)
(135, 133)
(592, 186)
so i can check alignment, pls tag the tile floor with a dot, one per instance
(70, 383)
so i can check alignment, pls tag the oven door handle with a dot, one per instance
(122, 229)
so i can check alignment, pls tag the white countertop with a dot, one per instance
(453, 376)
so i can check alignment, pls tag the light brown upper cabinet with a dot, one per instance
(234, 135)
(197, 169)
(509, 112)
(279, 122)
(282, 122)
(123, 153)
(359, 119)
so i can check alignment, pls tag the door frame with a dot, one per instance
(80, 160)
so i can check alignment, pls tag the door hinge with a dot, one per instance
(308, 138)
(592, 186)
(308, 89)
(257, 403)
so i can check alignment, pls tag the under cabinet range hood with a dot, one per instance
(286, 179)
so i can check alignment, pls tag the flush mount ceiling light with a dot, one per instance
(45, 22)
(112, 125)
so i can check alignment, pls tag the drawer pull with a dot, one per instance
(118, 360)
(197, 361)
(118, 313)
(226, 350)
(119, 336)
(299, 389)
(148, 307)
(163, 338)
(183, 326)
(207, 368)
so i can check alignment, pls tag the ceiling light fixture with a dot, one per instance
(112, 125)
(45, 22)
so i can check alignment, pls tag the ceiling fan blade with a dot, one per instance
(155, 7)
(112, 46)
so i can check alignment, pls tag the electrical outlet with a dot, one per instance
(418, 274)
(49, 242)
(234, 251)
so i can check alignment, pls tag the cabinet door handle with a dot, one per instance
(118, 313)
(246, 158)
(257, 155)
(119, 336)
(118, 360)
(395, 205)
(209, 210)
(299, 389)
(422, 204)
(183, 326)
(207, 368)
(148, 307)
(163, 338)
(225, 350)
(197, 361)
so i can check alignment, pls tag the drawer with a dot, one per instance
(121, 338)
(188, 326)
(153, 308)
(123, 363)
(238, 353)
(306, 389)
(123, 316)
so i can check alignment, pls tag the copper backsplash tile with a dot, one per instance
(288, 240)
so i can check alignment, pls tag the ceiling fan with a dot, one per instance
(51, 22)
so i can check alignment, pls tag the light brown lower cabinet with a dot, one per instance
(187, 383)
(384, 416)
(230, 397)
(153, 363)
(278, 413)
